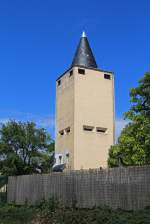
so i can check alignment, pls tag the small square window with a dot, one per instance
(107, 76)
(59, 82)
(81, 71)
(67, 130)
(61, 132)
(71, 73)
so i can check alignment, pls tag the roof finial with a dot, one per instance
(83, 34)
(83, 55)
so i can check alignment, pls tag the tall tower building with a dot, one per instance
(84, 112)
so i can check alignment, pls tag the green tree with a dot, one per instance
(25, 149)
(133, 147)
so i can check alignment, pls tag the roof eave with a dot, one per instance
(80, 66)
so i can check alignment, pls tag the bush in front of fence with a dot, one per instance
(52, 212)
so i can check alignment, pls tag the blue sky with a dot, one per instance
(38, 39)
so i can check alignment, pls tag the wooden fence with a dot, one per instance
(125, 188)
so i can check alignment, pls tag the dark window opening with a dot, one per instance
(71, 73)
(59, 82)
(67, 130)
(102, 130)
(60, 158)
(81, 71)
(88, 128)
(106, 76)
(61, 132)
(67, 155)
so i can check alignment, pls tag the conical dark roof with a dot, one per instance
(84, 56)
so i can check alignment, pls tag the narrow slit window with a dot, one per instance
(59, 82)
(88, 128)
(61, 132)
(60, 159)
(101, 130)
(81, 71)
(71, 73)
(67, 155)
(107, 76)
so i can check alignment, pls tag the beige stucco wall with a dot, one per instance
(94, 106)
(85, 100)
(65, 118)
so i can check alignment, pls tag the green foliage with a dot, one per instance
(3, 197)
(51, 212)
(133, 147)
(140, 99)
(46, 211)
(3, 181)
(24, 149)
(3, 193)
(12, 214)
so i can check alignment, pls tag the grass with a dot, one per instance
(52, 213)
